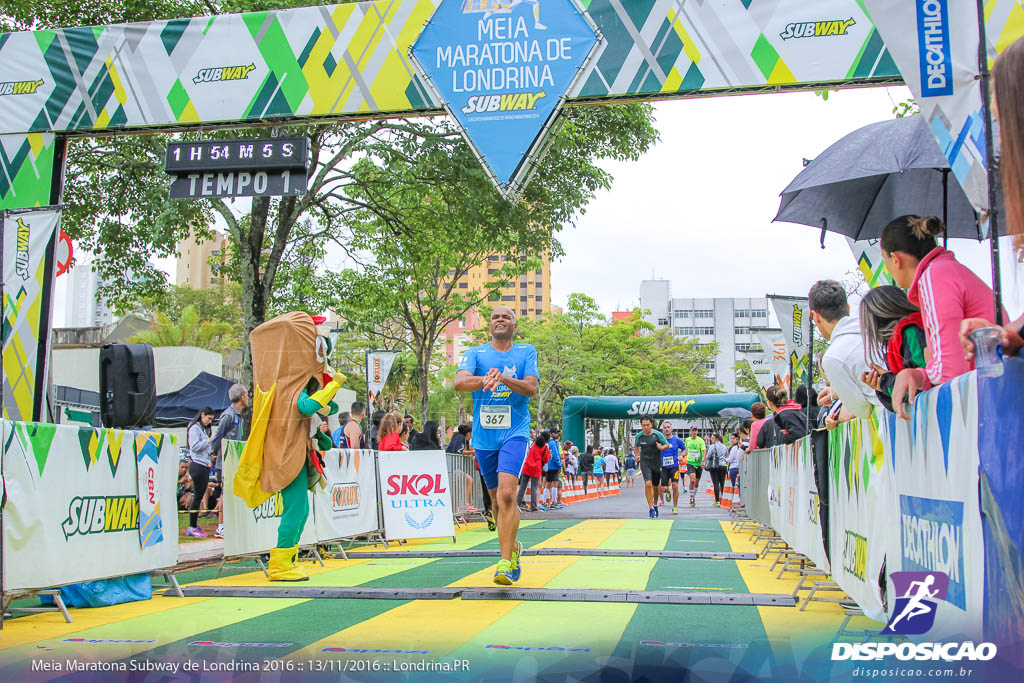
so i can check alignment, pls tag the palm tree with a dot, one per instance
(188, 331)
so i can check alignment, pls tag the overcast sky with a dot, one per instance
(697, 208)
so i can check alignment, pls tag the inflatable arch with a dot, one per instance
(576, 408)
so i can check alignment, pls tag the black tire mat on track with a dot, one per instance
(469, 593)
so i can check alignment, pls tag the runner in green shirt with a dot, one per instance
(695, 450)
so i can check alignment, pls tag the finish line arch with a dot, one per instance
(576, 409)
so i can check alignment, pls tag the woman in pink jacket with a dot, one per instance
(947, 293)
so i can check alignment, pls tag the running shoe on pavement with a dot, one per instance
(692, 503)
(517, 566)
(716, 504)
(503, 573)
(196, 532)
(675, 510)
(219, 533)
(653, 513)
(657, 513)
(491, 524)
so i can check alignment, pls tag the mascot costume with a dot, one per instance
(292, 391)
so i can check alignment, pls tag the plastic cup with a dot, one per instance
(988, 351)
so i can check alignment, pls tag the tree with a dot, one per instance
(406, 199)
(745, 377)
(430, 214)
(189, 330)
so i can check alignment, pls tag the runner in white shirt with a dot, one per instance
(611, 466)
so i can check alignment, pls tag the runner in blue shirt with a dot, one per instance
(670, 464)
(502, 376)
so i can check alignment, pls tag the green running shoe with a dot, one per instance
(517, 569)
(503, 573)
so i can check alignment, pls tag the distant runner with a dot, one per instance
(670, 464)
(502, 376)
(647, 447)
(695, 450)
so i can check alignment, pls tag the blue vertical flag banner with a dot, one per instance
(147, 455)
(502, 69)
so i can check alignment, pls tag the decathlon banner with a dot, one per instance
(415, 494)
(794, 315)
(378, 368)
(348, 506)
(862, 509)
(793, 500)
(935, 45)
(28, 262)
(73, 504)
(249, 531)
(868, 255)
(938, 516)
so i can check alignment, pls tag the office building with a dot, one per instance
(726, 321)
(199, 262)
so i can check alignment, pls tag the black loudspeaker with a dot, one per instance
(127, 385)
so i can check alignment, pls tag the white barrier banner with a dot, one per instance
(249, 531)
(938, 525)
(416, 494)
(348, 506)
(862, 509)
(72, 511)
(793, 500)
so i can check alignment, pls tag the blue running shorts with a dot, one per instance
(509, 459)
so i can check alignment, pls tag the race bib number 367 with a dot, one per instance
(496, 417)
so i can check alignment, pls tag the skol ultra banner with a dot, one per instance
(73, 494)
(938, 521)
(861, 510)
(251, 531)
(793, 500)
(935, 45)
(794, 317)
(348, 506)
(28, 259)
(415, 494)
(378, 367)
(868, 255)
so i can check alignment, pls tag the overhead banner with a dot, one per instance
(502, 72)
(938, 527)
(252, 531)
(868, 255)
(935, 45)
(794, 317)
(348, 506)
(73, 494)
(793, 499)
(378, 368)
(29, 240)
(415, 494)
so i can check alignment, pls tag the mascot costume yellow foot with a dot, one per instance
(291, 391)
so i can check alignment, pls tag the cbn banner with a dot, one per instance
(378, 368)
(793, 499)
(935, 46)
(348, 506)
(861, 510)
(416, 494)
(73, 494)
(774, 344)
(247, 530)
(28, 261)
(938, 515)
(794, 314)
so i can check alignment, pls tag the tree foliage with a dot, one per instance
(188, 330)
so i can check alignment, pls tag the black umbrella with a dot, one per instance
(875, 174)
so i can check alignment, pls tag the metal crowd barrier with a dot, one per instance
(467, 492)
(754, 469)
